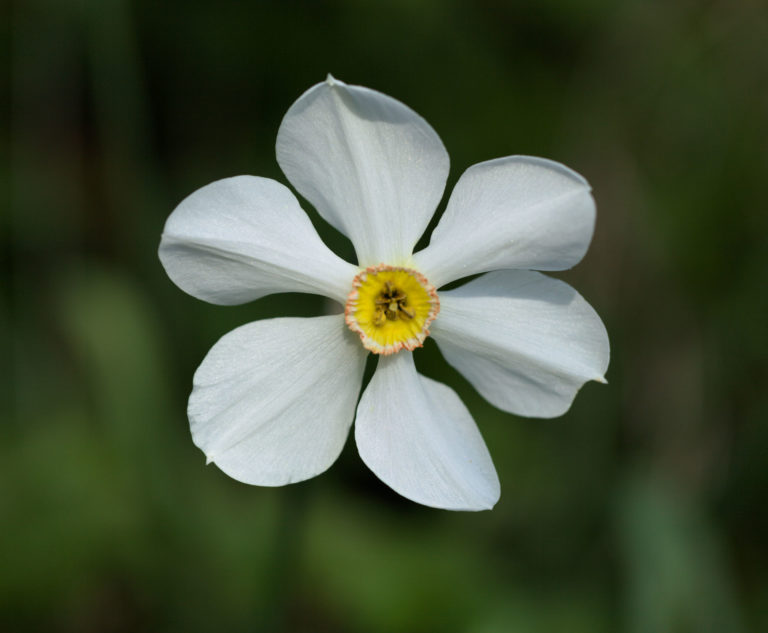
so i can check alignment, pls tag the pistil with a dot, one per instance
(392, 304)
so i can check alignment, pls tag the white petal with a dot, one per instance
(241, 238)
(526, 342)
(514, 212)
(419, 439)
(370, 165)
(273, 400)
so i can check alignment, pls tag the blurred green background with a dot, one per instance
(643, 509)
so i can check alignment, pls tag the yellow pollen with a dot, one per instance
(391, 308)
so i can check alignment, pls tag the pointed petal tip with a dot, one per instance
(601, 380)
(487, 506)
(208, 460)
(331, 80)
(482, 505)
(479, 505)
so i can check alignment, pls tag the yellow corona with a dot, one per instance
(391, 307)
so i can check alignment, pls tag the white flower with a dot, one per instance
(273, 401)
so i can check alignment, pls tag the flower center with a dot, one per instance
(391, 308)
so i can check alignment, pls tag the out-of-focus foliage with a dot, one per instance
(641, 510)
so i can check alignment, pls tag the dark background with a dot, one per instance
(643, 509)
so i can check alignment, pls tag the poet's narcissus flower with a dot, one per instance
(273, 401)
